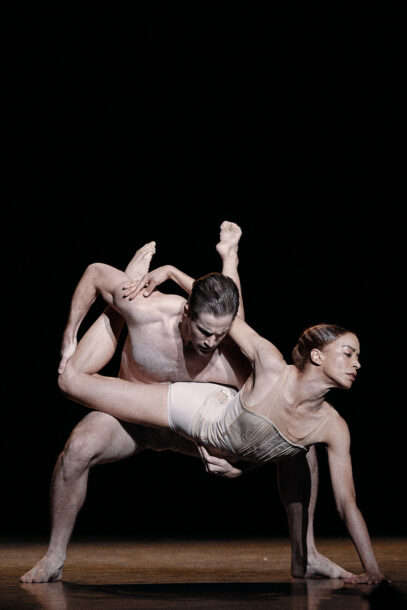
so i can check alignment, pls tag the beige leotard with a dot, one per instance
(214, 416)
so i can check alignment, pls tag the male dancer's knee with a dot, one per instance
(80, 453)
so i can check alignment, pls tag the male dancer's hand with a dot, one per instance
(218, 466)
(67, 351)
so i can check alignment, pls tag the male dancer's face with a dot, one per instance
(207, 331)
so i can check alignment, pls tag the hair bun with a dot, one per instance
(296, 356)
(315, 337)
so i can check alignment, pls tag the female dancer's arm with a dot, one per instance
(340, 467)
(154, 278)
(255, 347)
(158, 276)
(261, 352)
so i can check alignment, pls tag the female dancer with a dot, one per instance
(279, 412)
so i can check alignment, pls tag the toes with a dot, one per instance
(230, 227)
(26, 577)
(147, 250)
(151, 247)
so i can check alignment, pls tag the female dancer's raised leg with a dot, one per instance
(137, 403)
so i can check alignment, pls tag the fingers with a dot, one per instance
(202, 453)
(364, 579)
(129, 288)
(219, 462)
(230, 473)
(212, 463)
(236, 472)
(62, 365)
(218, 466)
(132, 289)
(150, 286)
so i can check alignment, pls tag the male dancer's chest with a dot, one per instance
(158, 355)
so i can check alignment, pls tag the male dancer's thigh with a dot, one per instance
(163, 439)
(102, 438)
(106, 439)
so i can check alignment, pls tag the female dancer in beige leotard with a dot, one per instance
(280, 411)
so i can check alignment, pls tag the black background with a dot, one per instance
(159, 121)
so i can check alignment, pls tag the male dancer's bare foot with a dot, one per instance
(319, 566)
(140, 263)
(48, 569)
(230, 234)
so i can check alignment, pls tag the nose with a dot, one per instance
(357, 365)
(210, 341)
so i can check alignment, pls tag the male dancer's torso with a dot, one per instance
(155, 352)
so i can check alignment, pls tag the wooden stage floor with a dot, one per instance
(220, 574)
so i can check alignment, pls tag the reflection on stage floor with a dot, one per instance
(221, 574)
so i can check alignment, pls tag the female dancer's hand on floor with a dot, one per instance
(218, 466)
(367, 579)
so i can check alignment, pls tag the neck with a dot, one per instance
(310, 386)
(184, 330)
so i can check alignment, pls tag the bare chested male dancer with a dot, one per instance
(167, 346)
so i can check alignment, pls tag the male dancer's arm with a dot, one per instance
(106, 330)
(97, 279)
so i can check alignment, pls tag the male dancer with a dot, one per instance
(166, 345)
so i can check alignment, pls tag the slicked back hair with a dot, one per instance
(315, 337)
(213, 293)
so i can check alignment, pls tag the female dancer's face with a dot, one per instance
(340, 361)
(208, 330)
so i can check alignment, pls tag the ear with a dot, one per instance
(316, 356)
(186, 310)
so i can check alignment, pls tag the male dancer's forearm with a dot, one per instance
(98, 279)
(83, 297)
